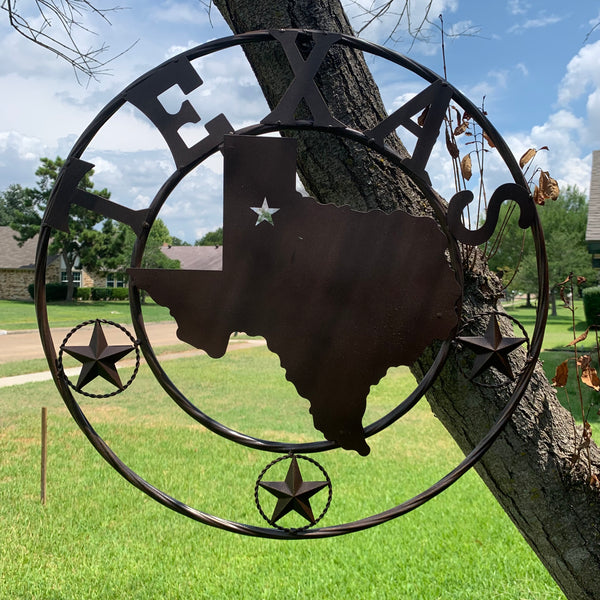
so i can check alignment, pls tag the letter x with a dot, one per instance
(303, 85)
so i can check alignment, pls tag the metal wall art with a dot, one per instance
(304, 275)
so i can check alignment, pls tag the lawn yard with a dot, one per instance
(559, 329)
(559, 332)
(17, 315)
(98, 537)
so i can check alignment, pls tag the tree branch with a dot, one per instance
(67, 18)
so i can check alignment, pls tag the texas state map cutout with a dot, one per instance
(339, 295)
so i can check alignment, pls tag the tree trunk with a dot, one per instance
(553, 302)
(69, 264)
(528, 469)
(528, 303)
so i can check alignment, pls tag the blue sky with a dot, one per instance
(534, 63)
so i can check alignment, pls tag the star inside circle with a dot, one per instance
(491, 349)
(98, 359)
(265, 214)
(293, 494)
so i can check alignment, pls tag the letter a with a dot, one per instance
(436, 98)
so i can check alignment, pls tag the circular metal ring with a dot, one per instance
(363, 523)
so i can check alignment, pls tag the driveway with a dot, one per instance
(25, 345)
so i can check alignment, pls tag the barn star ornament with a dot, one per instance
(98, 359)
(264, 212)
(491, 349)
(293, 494)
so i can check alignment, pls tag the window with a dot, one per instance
(115, 280)
(76, 278)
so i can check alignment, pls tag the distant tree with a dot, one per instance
(12, 201)
(564, 222)
(212, 238)
(124, 239)
(84, 244)
(175, 241)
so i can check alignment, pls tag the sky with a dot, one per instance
(534, 64)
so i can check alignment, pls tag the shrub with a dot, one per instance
(83, 293)
(591, 305)
(101, 293)
(120, 293)
(55, 292)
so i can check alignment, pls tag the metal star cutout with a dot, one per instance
(492, 350)
(98, 359)
(264, 213)
(293, 493)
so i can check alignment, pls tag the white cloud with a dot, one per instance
(179, 48)
(582, 73)
(583, 78)
(26, 148)
(518, 7)
(461, 28)
(540, 21)
(562, 133)
(523, 68)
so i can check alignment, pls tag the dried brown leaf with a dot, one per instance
(466, 116)
(527, 157)
(581, 280)
(461, 128)
(578, 339)
(423, 117)
(589, 376)
(458, 117)
(544, 148)
(465, 167)
(562, 374)
(488, 140)
(548, 186)
(584, 361)
(538, 197)
(568, 278)
(452, 147)
(594, 481)
(562, 295)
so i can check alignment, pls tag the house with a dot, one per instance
(592, 233)
(17, 269)
(196, 258)
(17, 266)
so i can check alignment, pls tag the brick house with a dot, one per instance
(17, 266)
(592, 234)
(17, 269)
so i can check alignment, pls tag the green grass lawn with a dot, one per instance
(559, 328)
(98, 537)
(559, 332)
(18, 315)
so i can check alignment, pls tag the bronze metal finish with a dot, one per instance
(300, 273)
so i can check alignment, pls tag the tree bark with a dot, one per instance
(529, 468)
(553, 302)
(69, 264)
